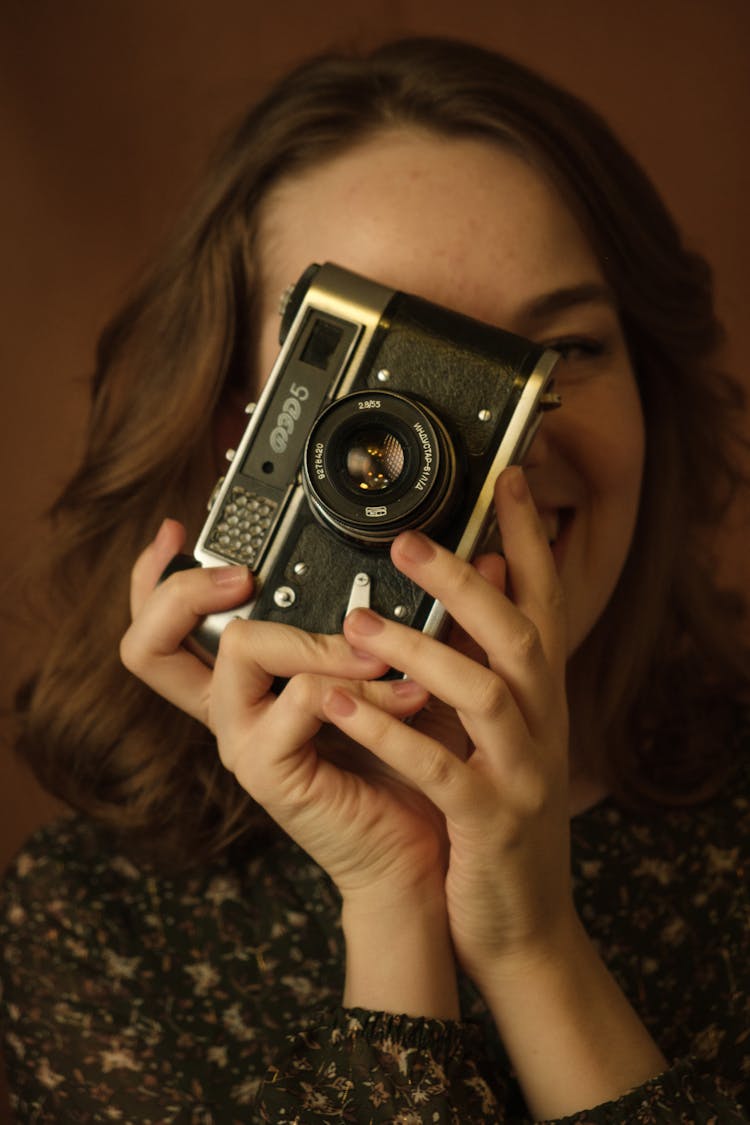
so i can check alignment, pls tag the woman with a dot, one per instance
(265, 934)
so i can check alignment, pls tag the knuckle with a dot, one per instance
(436, 766)
(301, 691)
(527, 643)
(490, 695)
(305, 650)
(314, 647)
(181, 584)
(462, 577)
(233, 640)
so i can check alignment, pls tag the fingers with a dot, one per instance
(169, 541)
(483, 699)
(166, 614)
(260, 741)
(535, 584)
(493, 569)
(254, 653)
(495, 623)
(422, 761)
(523, 636)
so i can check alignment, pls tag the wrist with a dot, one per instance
(559, 947)
(399, 957)
(571, 1034)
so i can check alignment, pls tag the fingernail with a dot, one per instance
(228, 575)
(364, 621)
(519, 489)
(406, 689)
(339, 703)
(415, 547)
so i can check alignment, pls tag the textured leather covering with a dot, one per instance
(322, 592)
(456, 364)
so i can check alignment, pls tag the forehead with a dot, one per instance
(463, 222)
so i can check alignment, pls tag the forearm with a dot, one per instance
(399, 959)
(571, 1035)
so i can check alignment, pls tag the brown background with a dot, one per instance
(109, 108)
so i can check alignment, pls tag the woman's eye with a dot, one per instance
(577, 347)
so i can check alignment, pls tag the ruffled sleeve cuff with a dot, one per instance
(358, 1065)
(377, 1067)
(680, 1094)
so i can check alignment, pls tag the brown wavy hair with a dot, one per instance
(651, 686)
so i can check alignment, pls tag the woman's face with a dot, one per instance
(469, 225)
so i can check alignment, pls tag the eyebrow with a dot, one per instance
(560, 300)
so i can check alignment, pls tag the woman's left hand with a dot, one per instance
(506, 806)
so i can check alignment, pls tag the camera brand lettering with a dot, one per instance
(424, 437)
(289, 414)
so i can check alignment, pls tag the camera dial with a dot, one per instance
(377, 463)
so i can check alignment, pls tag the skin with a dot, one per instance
(447, 858)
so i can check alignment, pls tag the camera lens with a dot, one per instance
(374, 459)
(377, 463)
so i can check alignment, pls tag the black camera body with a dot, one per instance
(383, 412)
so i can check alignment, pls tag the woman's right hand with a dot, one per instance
(373, 835)
(382, 843)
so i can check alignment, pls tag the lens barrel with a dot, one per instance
(378, 463)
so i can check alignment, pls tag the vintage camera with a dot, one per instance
(383, 412)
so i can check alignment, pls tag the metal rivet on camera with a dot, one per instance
(300, 568)
(400, 611)
(230, 454)
(384, 375)
(250, 408)
(484, 415)
(284, 596)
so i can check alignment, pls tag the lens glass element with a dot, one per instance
(378, 463)
(374, 459)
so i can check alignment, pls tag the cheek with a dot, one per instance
(627, 450)
(608, 440)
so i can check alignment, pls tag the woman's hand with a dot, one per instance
(381, 842)
(571, 1036)
(361, 829)
(506, 806)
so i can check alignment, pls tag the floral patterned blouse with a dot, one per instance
(213, 996)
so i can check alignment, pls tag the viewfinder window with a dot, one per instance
(321, 344)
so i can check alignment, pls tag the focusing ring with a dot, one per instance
(419, 492)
